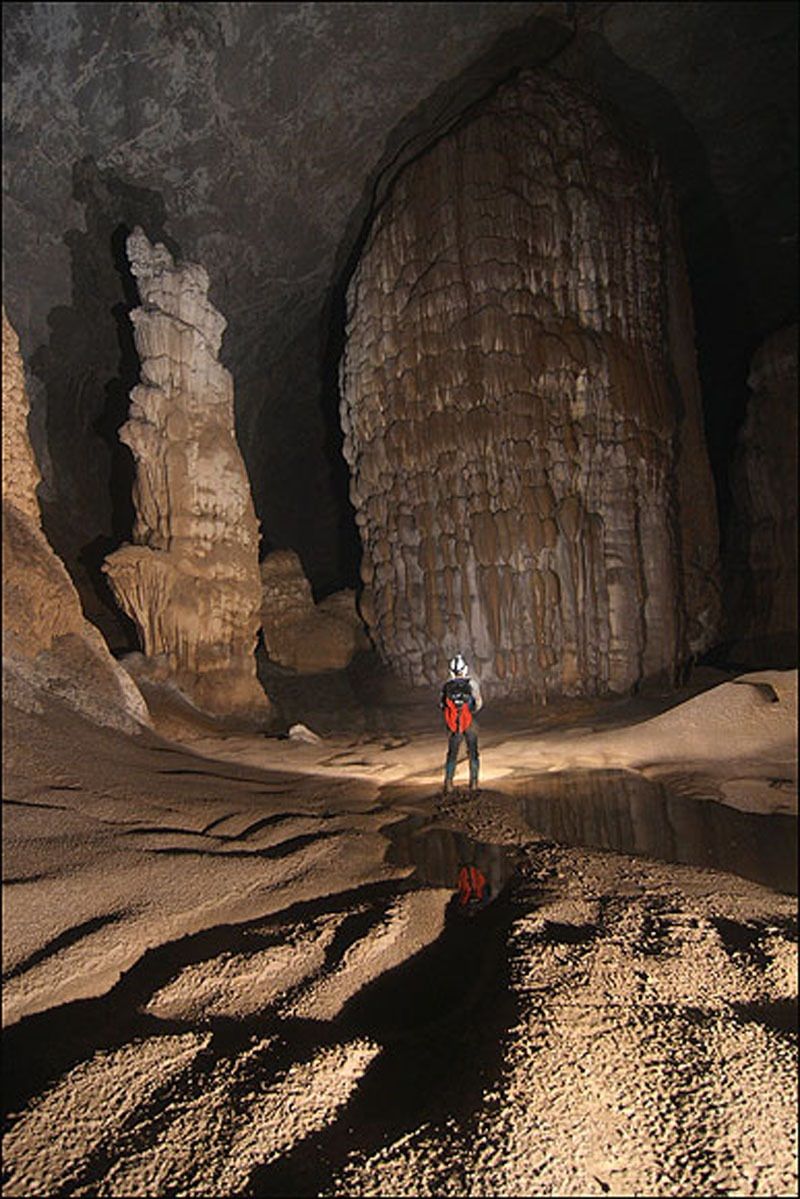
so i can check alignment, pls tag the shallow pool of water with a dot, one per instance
(626, 812)
(438, 854)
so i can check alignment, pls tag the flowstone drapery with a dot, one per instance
(190, 579)
(521, 409)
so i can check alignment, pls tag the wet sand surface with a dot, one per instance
(238, 965)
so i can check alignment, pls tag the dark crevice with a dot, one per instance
(87, 370)
(780, 1015)
(214, 774)
(742, 940)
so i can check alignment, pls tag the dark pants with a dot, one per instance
(471, 738)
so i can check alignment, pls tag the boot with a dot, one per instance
(473, 787)
(447, 788)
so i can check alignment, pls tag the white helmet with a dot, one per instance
(457, 665)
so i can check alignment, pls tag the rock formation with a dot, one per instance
(521, 409)
(298, 633)
(762, 565)
(190, 579)
(48, 645)
(20, 472)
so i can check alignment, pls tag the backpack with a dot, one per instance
(473, 887)
(457, 705)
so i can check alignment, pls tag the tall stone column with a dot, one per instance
(190, 579)
(521, 409)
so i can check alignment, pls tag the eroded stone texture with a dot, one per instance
(190, 579)
(48, 645)
(521, 409)
(298, 633)
(21, 474)
(763, 535)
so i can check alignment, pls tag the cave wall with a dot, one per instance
(241, 135)
(761, 545)
(256, 138)
(521, 409)
(49, 648)
(83, 374)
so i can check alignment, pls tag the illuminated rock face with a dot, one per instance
(190, 579)
(20, 472)
(763, 561)
(48, 645)
(298, 633)
(521, 410)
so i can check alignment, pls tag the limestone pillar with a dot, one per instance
(190, 578)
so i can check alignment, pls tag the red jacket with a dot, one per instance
(471, 885)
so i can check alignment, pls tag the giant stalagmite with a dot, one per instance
(521, 409)
(190, 579)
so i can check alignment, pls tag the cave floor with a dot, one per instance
(236, 964)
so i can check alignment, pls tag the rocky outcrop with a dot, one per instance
(298, 633)
(21, 474)
(521, 409)
(762, 558)
(190, 579)
(48, 645)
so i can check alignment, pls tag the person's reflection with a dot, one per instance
(474, 889)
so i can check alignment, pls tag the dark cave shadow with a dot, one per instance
(87, 370)
(349, 546)
(44, 1046)
(725, 326)
(441, 1018)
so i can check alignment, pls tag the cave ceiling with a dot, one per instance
(256, 139)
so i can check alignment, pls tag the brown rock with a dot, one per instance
(298, 633)
(48, 645)
(21, 474)
(190, 579)
(519, 376)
